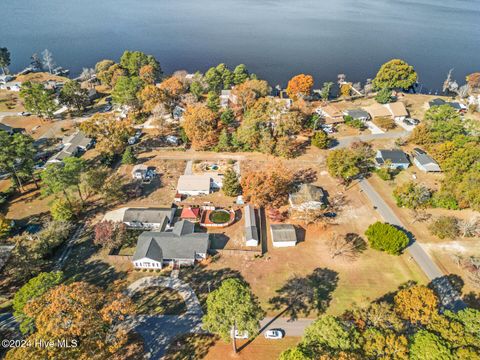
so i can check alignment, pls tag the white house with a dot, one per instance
(194, 185)
(251, 230)
(181, 246)
(283, 235)
(396, 159)
(425, 162)
(149, 218)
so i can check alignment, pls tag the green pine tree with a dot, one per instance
(231, 185)
(128, 156)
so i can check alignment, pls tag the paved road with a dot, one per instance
(347, 141)
(68, 247)
(449, 296)
(291, 328)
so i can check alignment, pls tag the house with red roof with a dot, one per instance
(190, 213)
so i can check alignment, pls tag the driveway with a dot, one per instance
(159, 331)
(347, 141)
(374, 128)
(448, 295)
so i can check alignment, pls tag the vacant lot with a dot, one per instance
(10, 102)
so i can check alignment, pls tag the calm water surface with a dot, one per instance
(276, 39)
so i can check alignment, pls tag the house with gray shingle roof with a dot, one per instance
(425, 162)
(149, 218)
(396, 159)
(180, 246)
(283, 235)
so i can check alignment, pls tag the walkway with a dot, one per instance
(159, 331)
(449, 296)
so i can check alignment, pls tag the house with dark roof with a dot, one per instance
(307, 197)
(149, 218)
(395, 159)
(283, 235)
(461, 108)
(6, 128)
(357, 114)
(180, 246)
(424, 162)
(73, 145)
(251, 231)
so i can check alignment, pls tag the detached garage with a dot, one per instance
(283, 235)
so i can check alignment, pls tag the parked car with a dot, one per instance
(134, 139)
(407, 122)
(274, 334)
(411, 121)
(25, 113)
(108, 108)
(239, 334)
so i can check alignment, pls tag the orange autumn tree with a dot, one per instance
(148, 74)
(268, 187)
(200, 125)
(300, 86)
(248, 92)
(82, 313)
(150, 96)
(416, 304)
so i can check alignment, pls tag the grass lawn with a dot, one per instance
(195, 346)
(159, 301)
(219, 216)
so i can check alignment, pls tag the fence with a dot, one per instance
(236, 252)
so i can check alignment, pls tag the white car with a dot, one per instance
(274, 334)
(239, 334)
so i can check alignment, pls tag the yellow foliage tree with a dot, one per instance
(200, 125)
(300, 86)
(416, 304)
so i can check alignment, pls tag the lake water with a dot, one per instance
(275, 39)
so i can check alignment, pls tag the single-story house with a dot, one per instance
(251, 230)
(397, 159)
(227, 97)
(456, 105)
(357, 114)
(283, 235)
(378, 111)
(425, 162)
(398, 110)
(72, 146)
(194, 185)
(6, 128)
(190, 214)
(181, 246)
(149, 218)
(307, 197)
(330, 113)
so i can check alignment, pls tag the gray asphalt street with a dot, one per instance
(291, 328)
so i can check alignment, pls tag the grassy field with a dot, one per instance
(159, 301)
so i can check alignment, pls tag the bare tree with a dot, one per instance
(87, 74)
(347, 247)
(47, 60)
(470, 227)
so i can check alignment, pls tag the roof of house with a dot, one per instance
(395, 156)
(190, 213)
(171, 245)
(147, 215)
(357, 113)
(139, 168)
(194, 183)
(331, 111)
(251, 230)
(424, 159)
(378, 110)
(5, 127)
(283, 233)
(397, 109)
(306, 193)
(436, 102)
(79, 139)
(183, 227)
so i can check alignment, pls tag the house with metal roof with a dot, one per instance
(424, 162)
(251, 231)
(307, 197)
(283, 235)
(149, 218)
(396, 159)
(194, 185)
(180, 246)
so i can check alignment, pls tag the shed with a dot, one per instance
(194, 185)
(283, 235)
(251, 230)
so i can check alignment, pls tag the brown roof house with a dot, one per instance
(378, 111)
(330, 113)
(398, 110)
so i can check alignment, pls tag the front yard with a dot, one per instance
(159, 301)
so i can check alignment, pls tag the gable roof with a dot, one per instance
(306, 193)
(190, 213)
(395, 156)
(378, 110)
(79, 139)
(424, 159)
(283, 233)
(169, 245)
(397, 109)
(251, 230)
(147, 215)
(194, 183)
(183, 227)
(357, 113)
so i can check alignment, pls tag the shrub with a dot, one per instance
(445, 227)
(411, 195)
(384, 96)
(384, 173)
(61, 210)
(444, 200)
(128, 156)
(355, 123)
(386, 237)
(320, 139)
(386, 123)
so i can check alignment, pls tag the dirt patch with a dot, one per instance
(39, 77)
(10, 102)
